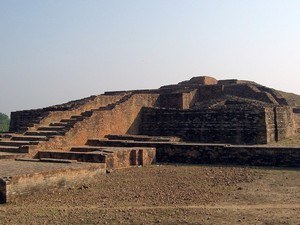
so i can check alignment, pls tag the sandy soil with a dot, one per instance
(168, 194)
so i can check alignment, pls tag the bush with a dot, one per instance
(4, 122)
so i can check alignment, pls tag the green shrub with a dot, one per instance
(4, 122)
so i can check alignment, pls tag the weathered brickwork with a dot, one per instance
(194, 121)
(230, 155)
(39, 179)
(200, 153)
(296, 112)
(114, 158)
(234, 125)
(56, 116)
(201, 109)
(20, 121)
(32, 119)
(280, 123)
(120, 119)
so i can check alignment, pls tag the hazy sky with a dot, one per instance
(53, 51)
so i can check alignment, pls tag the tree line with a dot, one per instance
(4, 122)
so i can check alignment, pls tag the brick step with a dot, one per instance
(45, 133)
(71, 120)
(120, 143)
(17, 143)
(143, 138)
(6, 135)
(12, 156)
(109, 107)
(87, 113)
(13, 149)
(52, 128)
(30, 138)
(96, 157)
(64, 124)
(78, 117)
(87, 148)
(51, 160)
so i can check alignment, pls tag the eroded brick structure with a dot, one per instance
(194, 121)
(199, 110)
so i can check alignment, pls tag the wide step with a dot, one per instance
(120, 143)
(6, 135)
(52, 128)
(78, 117)
(17, 143)
(44, 133)
(69, 121)
(73, 119)
(61, 124)
(143, 138)
(13, 149)
(86, 148)
(30, 138)
(96, 157)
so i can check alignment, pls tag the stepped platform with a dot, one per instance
(224, 154)
(6, 135)
(29, 138)
(78, 117)
(114, 158)
(87, 148)
(44, 133)
(18, 178)
(52, 128)
(13, 149)
(143, 138)
(17, 143)
(59, 124)
(93, 157)
(72, 120)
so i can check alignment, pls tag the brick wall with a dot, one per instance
(197, 153)
(121, 119)
(21, 120)
(280, 123)
(225, 125)
(243, 90)
(56, 116)
(231, 155)
(32, 119)
(26, 184)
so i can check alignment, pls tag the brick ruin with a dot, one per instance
(201, 120)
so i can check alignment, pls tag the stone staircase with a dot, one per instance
(29, 118)
(18, 144)
(12, 149)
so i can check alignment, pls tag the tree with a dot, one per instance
(4, 122)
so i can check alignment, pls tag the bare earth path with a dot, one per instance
(168, 194)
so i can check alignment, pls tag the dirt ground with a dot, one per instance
(168, 194)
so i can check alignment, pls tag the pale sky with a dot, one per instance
(54, 51)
